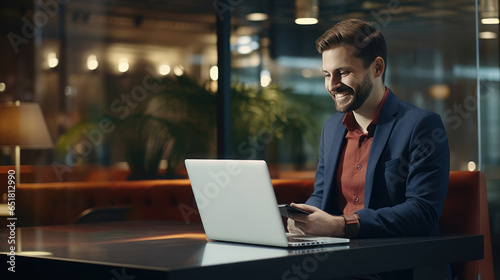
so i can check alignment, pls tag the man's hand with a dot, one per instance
(319, 223)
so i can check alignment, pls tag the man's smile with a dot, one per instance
(342, 92)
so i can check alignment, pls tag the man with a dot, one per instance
(383, 164)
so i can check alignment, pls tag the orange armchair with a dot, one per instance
(466, 212)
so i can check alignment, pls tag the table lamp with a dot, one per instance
(22, 126)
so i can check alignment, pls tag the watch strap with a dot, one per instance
(351, 225)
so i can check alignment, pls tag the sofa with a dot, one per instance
(63, 202)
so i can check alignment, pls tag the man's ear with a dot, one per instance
(379, 66)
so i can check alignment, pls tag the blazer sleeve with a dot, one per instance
(421, 171)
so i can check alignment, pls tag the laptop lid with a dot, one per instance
(236, 201)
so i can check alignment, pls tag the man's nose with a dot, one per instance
(334, 84)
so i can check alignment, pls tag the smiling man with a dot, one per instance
(383, 164)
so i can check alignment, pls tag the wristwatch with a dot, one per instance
(351, 225)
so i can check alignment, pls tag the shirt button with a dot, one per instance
(358, 166)
(356, 199)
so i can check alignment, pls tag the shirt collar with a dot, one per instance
(350, 122)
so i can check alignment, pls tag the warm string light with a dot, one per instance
(164, 69)
(265, 78)
(179, 70)
(123, 65)
(214, 73)
(52, 60)
(92, 62)
(471, 166)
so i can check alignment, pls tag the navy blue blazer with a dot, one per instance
(407, 172)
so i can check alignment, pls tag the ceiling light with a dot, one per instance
(490, 21)
(487, 35)
(306, 21)
(306, 12)
(257, 17)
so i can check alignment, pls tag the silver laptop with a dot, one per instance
(237, 203)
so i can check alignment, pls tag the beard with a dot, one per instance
(359, 95)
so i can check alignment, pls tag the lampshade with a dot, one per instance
(489, 9)
(306, 12)
(23, 125)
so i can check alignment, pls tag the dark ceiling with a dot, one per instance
(281, 11)
(161, 22)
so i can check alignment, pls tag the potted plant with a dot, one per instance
(178, 120)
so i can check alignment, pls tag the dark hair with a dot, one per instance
(369, 42)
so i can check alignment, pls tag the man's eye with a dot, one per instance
(343, 73)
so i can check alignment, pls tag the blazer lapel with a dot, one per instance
(333, 147)
(383, 130)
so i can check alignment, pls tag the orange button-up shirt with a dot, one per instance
(352, 166)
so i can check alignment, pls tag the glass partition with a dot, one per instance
(431, 63)
(488, 107)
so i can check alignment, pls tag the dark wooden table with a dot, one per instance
(166, 250)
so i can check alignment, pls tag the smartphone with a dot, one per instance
(287, 208)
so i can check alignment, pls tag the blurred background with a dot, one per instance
(128, 88)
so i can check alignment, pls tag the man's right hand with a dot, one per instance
(292, 228)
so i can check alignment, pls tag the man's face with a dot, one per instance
(346, 78)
